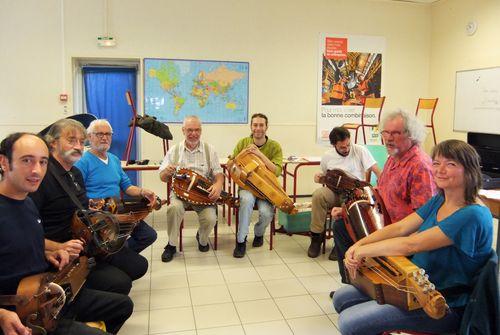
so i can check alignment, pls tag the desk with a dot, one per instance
(492, 200)
(299, 162)
(135, 167)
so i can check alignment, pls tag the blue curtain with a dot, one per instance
(105, 89)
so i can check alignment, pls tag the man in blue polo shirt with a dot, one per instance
(104, 177)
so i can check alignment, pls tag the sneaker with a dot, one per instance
(258, 241)
(202, 248)
(240, 249)
(168, 253)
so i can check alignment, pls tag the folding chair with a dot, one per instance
(372, 107)
(428, 105)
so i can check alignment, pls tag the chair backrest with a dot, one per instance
(379, 152)
(372, 108)
(482, 312)
(427, 106)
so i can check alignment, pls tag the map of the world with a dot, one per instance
(215, 91)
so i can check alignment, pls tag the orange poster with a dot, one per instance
(336, 48)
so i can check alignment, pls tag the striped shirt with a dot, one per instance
(195, 159)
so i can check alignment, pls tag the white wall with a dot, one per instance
(39, 39)
(453, 50)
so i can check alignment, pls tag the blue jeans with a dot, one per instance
(266, 214)
(360, 315)
(142, 237)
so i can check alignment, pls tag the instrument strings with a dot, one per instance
(391, 281)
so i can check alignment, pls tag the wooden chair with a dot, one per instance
(371, 106)
(428, 106)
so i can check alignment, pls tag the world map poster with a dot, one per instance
(215, 91)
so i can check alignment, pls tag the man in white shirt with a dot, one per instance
(352, 158)
(200, 157)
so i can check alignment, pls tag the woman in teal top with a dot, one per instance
(450, 237)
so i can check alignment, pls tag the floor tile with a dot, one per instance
(171, 320)
(258, 311)
(169, 298)
(168, 280)
(231, 330)
(227, 262)
(175, 265)
(206, 295)
(218, 315)
(140, 299)
(274, 327)
(298, 306)
(285, 287)
(205, 278)
(325, 302)
(270, 272)
(248, 291)
(137, 324)
(317, 325)
(142, 284)
(240, 275)
(306, 269)
(265, 258)
(201, 264)
(320, 284)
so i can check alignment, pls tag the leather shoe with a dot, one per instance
(315, 246)
(333, 255)
(240, 249)
(258, 241)
(168, 253)
(202, 248)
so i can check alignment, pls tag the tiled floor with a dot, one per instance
(267, 292)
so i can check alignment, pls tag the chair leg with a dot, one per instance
(434, 134)
(272, 232)
(364, 135)
(180, 234)
(215, 234)
(356, 136)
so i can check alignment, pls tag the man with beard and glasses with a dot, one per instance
(112, 273)
(271, 154)
(405, 183)
(199, 156)
(104, 177)
(352, 158)
(23, 164)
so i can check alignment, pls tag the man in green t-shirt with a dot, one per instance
(270, 153)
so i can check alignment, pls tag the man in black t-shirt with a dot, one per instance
(23, 164)
(113, 273)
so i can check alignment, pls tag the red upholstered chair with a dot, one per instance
(373, 107)
(427, 106)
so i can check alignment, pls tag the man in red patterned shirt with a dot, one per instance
(406, 181)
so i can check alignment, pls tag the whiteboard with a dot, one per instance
(477, 101)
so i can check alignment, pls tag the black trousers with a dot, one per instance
(342, 243)
(116, 272)
(93, 305)
(142, 237)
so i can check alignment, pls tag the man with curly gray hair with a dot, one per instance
(405, 183)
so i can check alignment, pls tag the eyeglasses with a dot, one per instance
(193, 130)
(74, 140)
(78, 188)
(395, 133)
(101, 135)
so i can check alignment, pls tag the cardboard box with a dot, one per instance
(298, 223)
